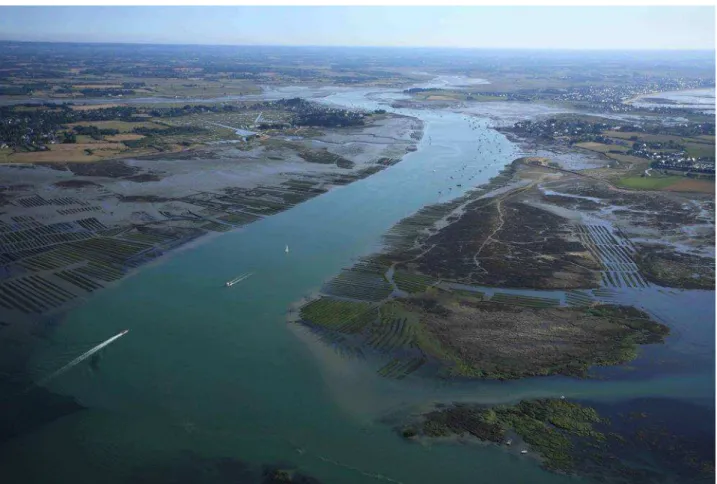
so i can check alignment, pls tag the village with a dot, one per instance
(110, 131)
(687, 148)
(595, 93)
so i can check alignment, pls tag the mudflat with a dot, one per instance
(70, 229)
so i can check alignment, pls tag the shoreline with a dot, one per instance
(397, 261)
(699, 89)
(403, 280)
(47, 319)
(344, 319)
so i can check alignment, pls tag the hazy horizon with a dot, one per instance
(487, 28)
(378, 47)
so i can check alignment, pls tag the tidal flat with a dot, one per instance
(70, 229)
(421, 305)
(383, 291)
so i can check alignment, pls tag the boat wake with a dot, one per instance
(80, 359)
(378, 477)
(238, 279)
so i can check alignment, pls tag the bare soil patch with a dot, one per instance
(688, 185)
(92, 107)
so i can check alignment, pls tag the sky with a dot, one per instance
(466, 27)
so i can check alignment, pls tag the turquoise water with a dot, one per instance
(219, 371)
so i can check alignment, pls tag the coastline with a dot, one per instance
(651, 94)
(19, 338)
(397, 281)
(404, 280)
(344, 318)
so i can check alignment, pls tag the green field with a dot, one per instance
(485, 98)
(441, 95)
(700, 146)
(601, 147)
(200, 88)
(698, 150)
(642, 137)
(4, 153)
(649, 182)
(454, 95)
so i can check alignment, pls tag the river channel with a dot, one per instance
(219, 372)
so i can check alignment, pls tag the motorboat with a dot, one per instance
(237, 279)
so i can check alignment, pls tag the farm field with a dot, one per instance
(650, 182)
(601, 148)
(691, 185)
(121, 126)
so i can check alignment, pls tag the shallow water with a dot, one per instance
(218, 371)
(697, 99)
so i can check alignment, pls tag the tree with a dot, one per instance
(69, 138)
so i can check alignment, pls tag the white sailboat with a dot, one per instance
(287, 249)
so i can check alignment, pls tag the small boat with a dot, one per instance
(237, 279)
(523, 451)
(286, 249)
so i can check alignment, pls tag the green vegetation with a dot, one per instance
(548, 426)
(463, 335)
(81, 258)
(602, 148)
(624, 442)
(394, 330)
(699, 150)
(574, 298)
(412, 283)
(649, 182)
(598, 336)
(115, 125)
(400, 368)
(111, 131)
(435, 94)
(344, 316)
(324, 157)
(365, 281)
(675, 149)
(463, 295)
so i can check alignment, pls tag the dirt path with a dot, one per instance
(490, 236)
(501, 221)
